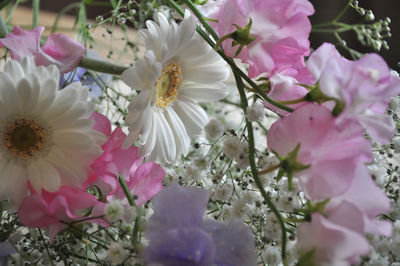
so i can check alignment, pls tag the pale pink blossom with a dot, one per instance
(332, 244)
(286, 85)
(364, 86)
(54, 210)
(144, 180)
(332, 154)
(365, 200)
(59, 49)
(281, 28)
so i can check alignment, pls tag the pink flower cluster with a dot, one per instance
(280, 27)
(58, 49)
(336, 172)
(68, 206)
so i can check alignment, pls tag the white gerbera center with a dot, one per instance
(168, 85)
(24, 138)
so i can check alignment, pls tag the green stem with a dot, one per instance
(35, 7)
(293, 101)
(340, 15)
(126, 190)
(101, 66)
(12, 10)
(253, 167)
(3, 27)
(46, 247)
(62, 12)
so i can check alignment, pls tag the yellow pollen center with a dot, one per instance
(24, 138)
(167, 85)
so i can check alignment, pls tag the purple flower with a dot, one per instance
(6, 249)
(179, 236)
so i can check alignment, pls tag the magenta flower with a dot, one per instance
(59, 49)
(179, 236)
(332, 154)
(281, 29)
(364, 87)
(54, 210)
(143, 179)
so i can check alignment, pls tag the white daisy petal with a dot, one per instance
(47, 133)
(179, 70)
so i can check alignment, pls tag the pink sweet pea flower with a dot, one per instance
(144, 180)
(59, 49)
(285, 87)
(281, 28)
(364, 198)
(364, 86)
(333, 244)
(53, 210)
(332, 154)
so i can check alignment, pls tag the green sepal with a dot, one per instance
(311, 208)
(242, 37)
(316, 95)
(289, 165)
(306, 259)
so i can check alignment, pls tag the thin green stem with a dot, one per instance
(35, 8)
(126, 190)
(340, 15)
(253, 167)
(12, 10)
(3, 27)
(62, 12)
(101, 66)
(293, 101)
(46, 247)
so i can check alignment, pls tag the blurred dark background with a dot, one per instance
(326, 11)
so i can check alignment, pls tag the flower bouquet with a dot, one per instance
(214, 135)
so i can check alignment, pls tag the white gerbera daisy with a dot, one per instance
(46, 136)
(179, 70)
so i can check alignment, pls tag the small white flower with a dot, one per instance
(272, 256)
(239, 209)
(272, 229)
(225, 212)
(201, 163)
(223, 193)
(214, 129)
(242, 159)
(232, 147)
(192, 172)
(114, 210)
(130, 214)
(116, 253)
(378, 174)
(255, 112)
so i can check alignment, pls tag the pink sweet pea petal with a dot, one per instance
(332, 244)
(65, 51)
(146, 182)
(281, 28)
(332, 154)
(59, 48)
(102, 123)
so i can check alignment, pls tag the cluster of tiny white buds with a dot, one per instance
(231, 147)
(116, 253)
(255, 112)
(114, 210)
(214, 129)
(130, 214)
